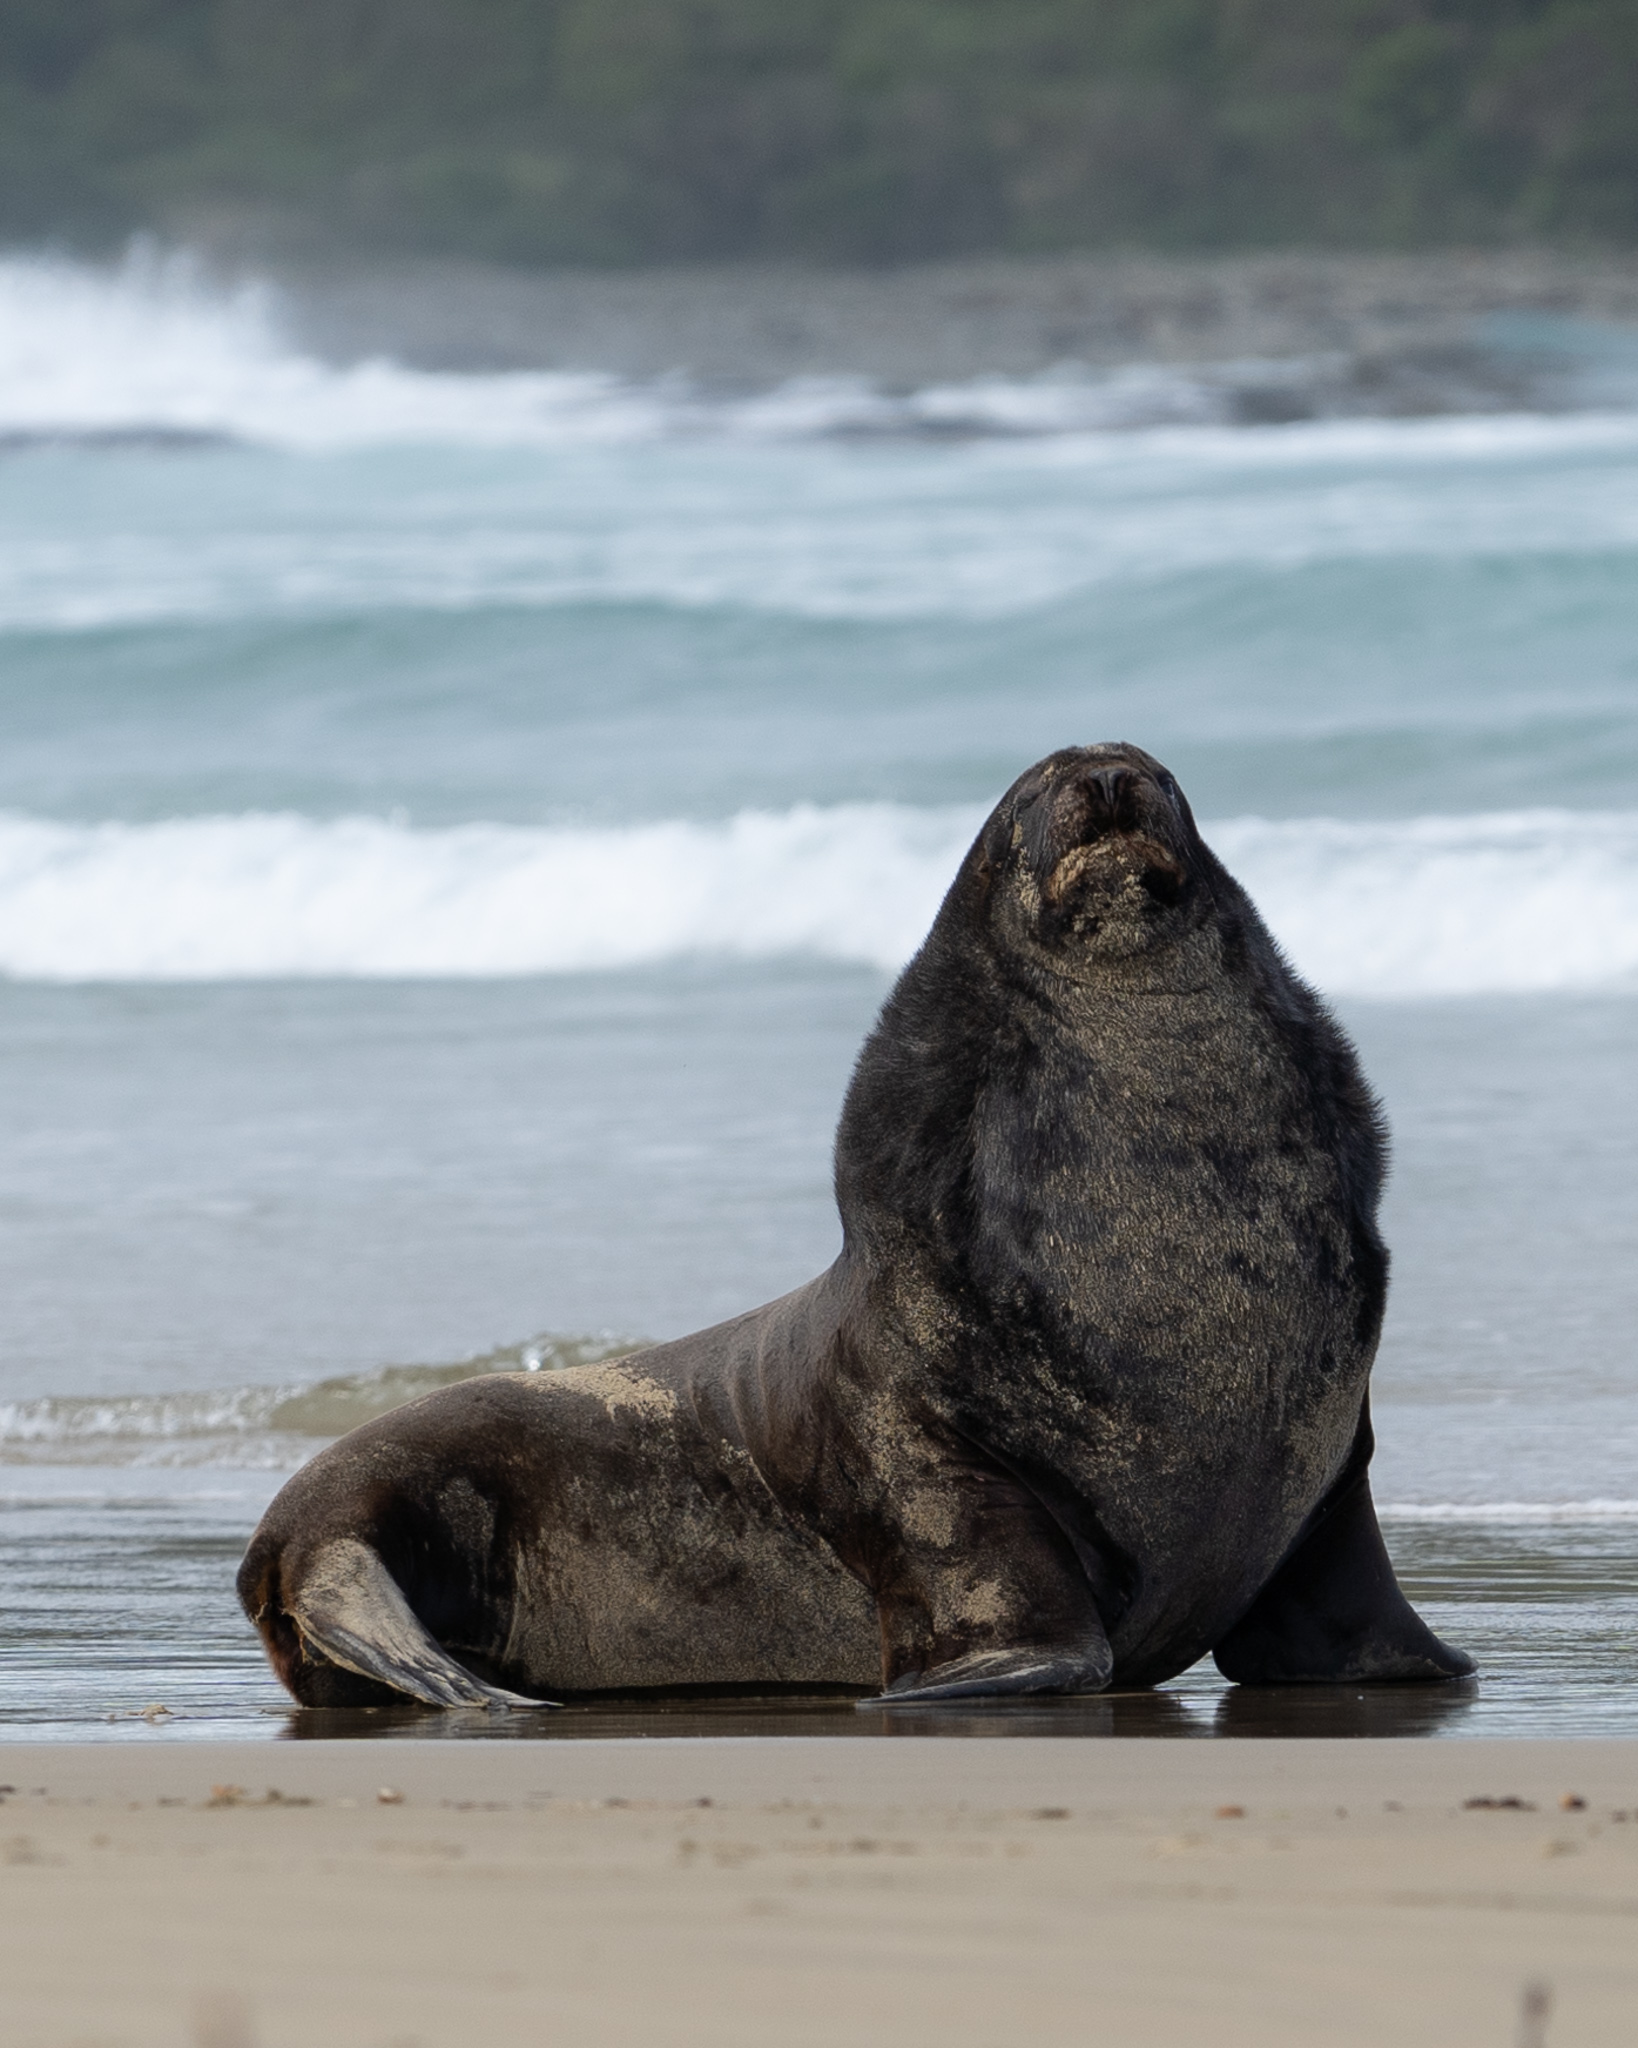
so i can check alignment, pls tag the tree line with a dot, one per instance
(625, 131)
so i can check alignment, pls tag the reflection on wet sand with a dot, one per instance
(1341, 1710)
(1319, 1710)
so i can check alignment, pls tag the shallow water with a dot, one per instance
(454, 835)
(87, 1644)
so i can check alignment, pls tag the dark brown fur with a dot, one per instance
(1082, 1398)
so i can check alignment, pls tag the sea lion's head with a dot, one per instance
(1092, 855)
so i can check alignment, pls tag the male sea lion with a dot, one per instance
(1082, 1398)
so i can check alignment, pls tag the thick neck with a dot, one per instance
(1083, 989)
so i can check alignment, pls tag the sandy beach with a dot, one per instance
(425, 1894)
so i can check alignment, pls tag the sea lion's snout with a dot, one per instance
(1118, 816)
(1104, 846)
(1109, 797)
(1104, 804)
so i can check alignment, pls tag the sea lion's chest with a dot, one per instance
(1179, 1321)
(1160, 1216)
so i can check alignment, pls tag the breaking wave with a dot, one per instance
(1508, 903)
(149, 350)
(1500, 903)
(269, 895)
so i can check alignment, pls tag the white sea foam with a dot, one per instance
(148, 347)
(256, 896)
(1502, 903)
(1511, 902)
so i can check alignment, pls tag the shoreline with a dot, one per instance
(1393, 316)
(814, 1891)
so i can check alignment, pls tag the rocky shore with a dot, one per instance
(1431, 331)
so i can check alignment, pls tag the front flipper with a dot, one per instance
(1333, 1612)
(1052, 1667)
(985, 1595)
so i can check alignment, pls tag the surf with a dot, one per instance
(1499, 903)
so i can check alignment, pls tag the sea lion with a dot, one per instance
(1082, 1398)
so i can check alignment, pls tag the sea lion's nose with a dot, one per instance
(1109, 790)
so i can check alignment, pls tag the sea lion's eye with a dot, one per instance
(1169, 785)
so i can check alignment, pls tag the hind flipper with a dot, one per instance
(348, 1606)
(1333, 1613)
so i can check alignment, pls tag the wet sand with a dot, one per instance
(979, 1893)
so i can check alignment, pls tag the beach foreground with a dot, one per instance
(802, 1891)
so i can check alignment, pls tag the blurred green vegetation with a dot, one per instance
(619, 131)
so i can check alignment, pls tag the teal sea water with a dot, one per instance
(455, 831)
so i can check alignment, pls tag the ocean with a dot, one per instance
(455, 830)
